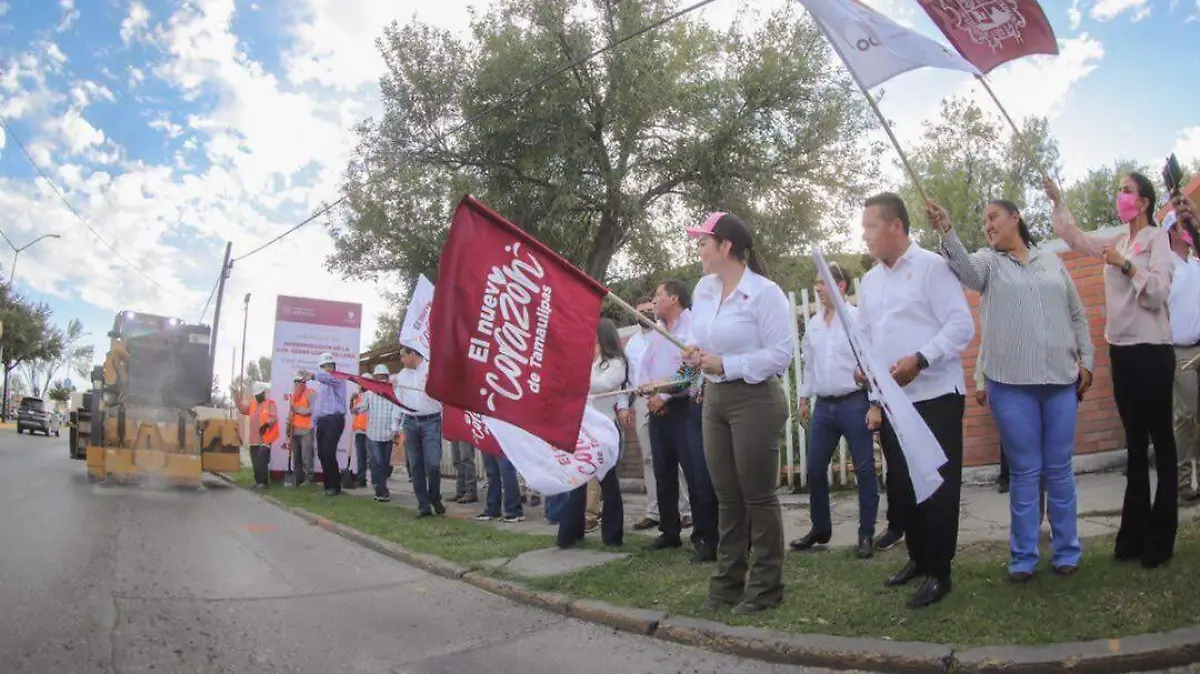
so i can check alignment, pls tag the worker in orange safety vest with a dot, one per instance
(264, 431)
(359, 425)
(300, 430)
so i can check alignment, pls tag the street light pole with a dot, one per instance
(11, 275)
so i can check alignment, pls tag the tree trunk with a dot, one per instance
(608, 240)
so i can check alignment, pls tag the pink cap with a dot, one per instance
(705, 229)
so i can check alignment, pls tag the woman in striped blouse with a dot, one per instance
(1036, 352)
(1137, 283)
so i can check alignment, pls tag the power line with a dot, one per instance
(504, 103)
(70, 207)
(211, 294)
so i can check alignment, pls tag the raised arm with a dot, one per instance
(971, 270)
(1063, 222)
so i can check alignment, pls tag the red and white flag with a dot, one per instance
(469, 427)
(875, 48)
(414, 332)
(514, 325)
(989, 33)
(550, 470)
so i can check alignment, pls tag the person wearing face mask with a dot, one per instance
(264, 431)
(742, 341)
(1037, 354)
(1137, 283)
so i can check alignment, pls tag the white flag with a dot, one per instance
(874, 47)
(922, 451)
(553, 471)
(414, 332)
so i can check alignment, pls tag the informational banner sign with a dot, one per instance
(304, 329)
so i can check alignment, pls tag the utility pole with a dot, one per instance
(245, 321)
(216, 326)
(12, 274)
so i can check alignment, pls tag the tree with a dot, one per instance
(219, 398)
(28, 336)
(1093, 198)
(60, 391)
(387, 333)
(969, 157)
(259, 370)
(613, 155)
(65, 351)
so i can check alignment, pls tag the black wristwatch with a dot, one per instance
(922, 363)
(1125, 267)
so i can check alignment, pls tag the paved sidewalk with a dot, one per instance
(985, 515)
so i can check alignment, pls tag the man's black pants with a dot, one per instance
(329, 432)
(931, 528)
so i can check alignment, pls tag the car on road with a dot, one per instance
(33, 416)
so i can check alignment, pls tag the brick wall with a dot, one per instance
(1099, 427)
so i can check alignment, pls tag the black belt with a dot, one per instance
(842, 398)
(424, 417)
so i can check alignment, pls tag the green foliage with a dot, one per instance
(60, 391)
(968, 157)
(28, 335)
(613, 156)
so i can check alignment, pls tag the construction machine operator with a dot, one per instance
(116, 366)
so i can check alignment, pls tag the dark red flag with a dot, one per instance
(468, 427)
(989, 33)
(375, 386)
(513, 327)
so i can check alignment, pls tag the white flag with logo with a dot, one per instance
(874, 47)
(554, 471)
(923, 453)
(414, 332)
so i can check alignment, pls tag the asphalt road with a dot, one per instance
(126, 579)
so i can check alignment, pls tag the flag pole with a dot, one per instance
(645, 321)
(878, 113)
(1020, 137)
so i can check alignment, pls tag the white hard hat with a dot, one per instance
(382, 369)
(260, 388)
(299, 376)
(326, 359)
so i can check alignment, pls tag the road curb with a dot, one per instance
(1102, 656)
(808, 650)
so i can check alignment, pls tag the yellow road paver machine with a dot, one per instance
(140, 421)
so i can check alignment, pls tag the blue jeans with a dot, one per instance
(423, 443)
(501, 473)
(381, 459)
(554, 506)
(1037, 427)
(831, 421)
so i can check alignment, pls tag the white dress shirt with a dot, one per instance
(420, 403)
(608, 376)
(635, 350)
(829, 362)
(1185, 302)
(751, 330)
(662, 359)
(918, 305)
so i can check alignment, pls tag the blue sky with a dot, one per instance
(176, 126)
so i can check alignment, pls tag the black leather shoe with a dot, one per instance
(887, 539)
(902, 576)
(748, 608)
(664, 542)
(809, 540)
(930, 592)
(644, 524)
(439, 508)
(866, 548)
(704, 554)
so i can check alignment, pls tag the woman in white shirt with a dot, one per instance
(610, 372)
(742, 342)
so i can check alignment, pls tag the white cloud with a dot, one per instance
(135, 24)
(136, 77)
(1074, 15)
(171, 129)
(1187, 146)
(1107, 10)
(69, 15)
(1041, 85)
(55, 54)
(4, 6)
